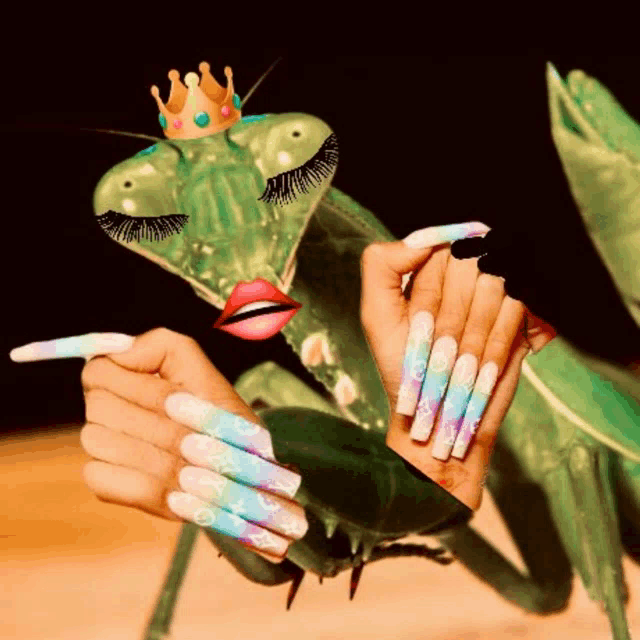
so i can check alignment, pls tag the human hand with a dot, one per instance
(453, 311)
(169, 435)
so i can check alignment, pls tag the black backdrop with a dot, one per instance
(423, 141)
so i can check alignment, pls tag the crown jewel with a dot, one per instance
(200, 108)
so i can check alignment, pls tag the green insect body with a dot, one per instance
(565, 469)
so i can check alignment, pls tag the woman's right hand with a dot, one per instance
(169, 435)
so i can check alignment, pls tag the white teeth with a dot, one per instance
(252, 306)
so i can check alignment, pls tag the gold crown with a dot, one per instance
(199, 110)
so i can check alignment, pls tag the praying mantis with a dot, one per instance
(566, 467)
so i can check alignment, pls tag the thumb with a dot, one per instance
(384, 263)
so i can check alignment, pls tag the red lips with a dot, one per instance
(261, 324)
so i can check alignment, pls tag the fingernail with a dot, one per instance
(205, 417)
(479, 399)
(250, 504)
(240, 465)
(196, 510)
(435, 384)
(414, 366)
(90, 344)
(432, 236)
(455, 404)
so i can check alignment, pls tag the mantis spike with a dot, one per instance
(367, 548)
(331, 525)
(355, 580)
(355, 542)
(295, 585)
(219, 554)
(320, 579)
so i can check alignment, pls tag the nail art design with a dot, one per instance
(455, 404)
(239, 499)
(204, 451)
(414, 366)
(88, 345)
(479, 398)
(434, 386)
(432, 236)
(193, 412)
(196, 510)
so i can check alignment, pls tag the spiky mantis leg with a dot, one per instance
(578, 521)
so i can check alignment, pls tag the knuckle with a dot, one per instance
(91, 372)
(371, 253)
(449, 323)
(89, 438)
(498, 346)
(473, 342)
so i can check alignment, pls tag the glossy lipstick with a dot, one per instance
(256, 311)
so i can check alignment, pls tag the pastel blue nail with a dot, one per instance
(435, 384)
(250, 504)
(415, 362)
(204, 451)
(433, 236)
(479, 398)
(88, 345)
(455, 405)
(196, 510)
(205, 417)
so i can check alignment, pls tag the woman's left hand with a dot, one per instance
(457, 329)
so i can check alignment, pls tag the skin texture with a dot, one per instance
(473, 309)
(136, 448)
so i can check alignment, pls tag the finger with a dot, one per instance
(114, 447)
(162, 397)
(85, 346)
(237, 464)
(107, 409)
(426, 294)
(197, 510)
(267, 510)
(136, 489)
(179, 360)
(384, 264)
(129, 487)
(496, 354)
(458, 291)
(484, 311)
(539, 333)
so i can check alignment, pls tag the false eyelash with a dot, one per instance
(117, 224)
(286, 186)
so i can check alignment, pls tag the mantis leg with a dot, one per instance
(270, 385)
(547, 586)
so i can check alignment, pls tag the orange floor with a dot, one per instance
(74, 568)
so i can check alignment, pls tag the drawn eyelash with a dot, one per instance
(128, 228)
(286, 186)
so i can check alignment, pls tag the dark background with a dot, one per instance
(424, 140)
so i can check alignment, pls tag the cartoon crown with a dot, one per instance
(198, 110)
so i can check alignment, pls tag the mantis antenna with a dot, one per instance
(258, 81)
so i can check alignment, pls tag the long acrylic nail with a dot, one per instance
(88, 345)
(414, 366)
(205, 417)
(250, 504)
(240, 465)
(441, 362)
(479, 399)
(196, 510)
(432, 236)
(454, 406)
